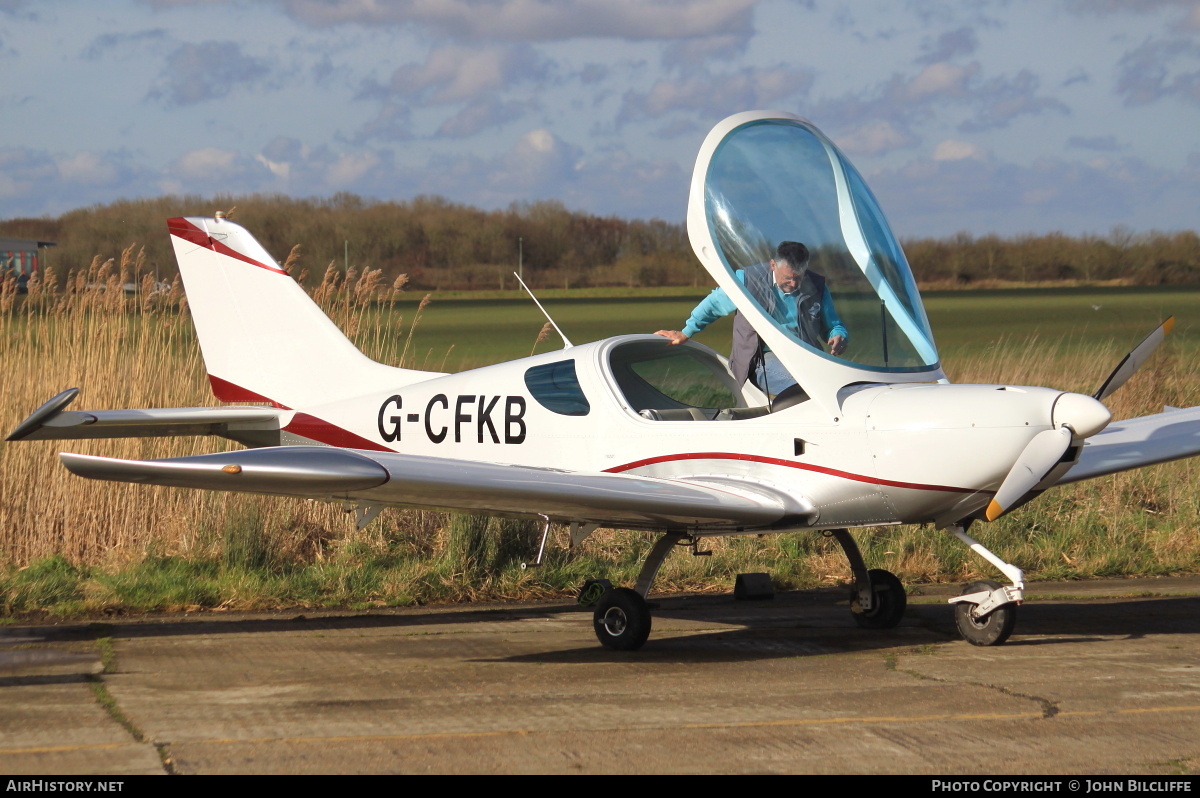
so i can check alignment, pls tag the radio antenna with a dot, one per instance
(566, 343)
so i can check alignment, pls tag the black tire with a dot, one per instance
(990, 630)
(889, 604)
(621, 620)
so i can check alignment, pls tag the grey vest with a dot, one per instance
(747, 349)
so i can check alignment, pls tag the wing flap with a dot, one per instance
(1138, 442)
(441, 483)
(603, 498)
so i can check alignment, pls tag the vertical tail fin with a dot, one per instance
(262, 336)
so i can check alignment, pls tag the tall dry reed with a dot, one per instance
(132, 350)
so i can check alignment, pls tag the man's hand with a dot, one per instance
(675, 336)
(836, 344)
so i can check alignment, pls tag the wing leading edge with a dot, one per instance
(433, 482)
(1138, 442)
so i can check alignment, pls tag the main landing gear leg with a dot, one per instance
(878, 600)
(622, 617)
(986, 612)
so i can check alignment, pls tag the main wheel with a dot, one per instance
(889, 602)
(990, 630)
(622, 620)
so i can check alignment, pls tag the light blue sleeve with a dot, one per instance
(711, 308)
(830, 317)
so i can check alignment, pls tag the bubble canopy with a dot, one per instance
(780, 179)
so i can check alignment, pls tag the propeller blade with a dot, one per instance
(1134, 360)
(1040, 455)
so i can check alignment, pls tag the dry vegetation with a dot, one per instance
(87, 545)
(442, 245)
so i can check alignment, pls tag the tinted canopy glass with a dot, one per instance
(777, 180)
(556, 388)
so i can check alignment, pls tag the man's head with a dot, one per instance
(789, 265)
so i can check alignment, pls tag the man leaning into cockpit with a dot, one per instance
(796, 297)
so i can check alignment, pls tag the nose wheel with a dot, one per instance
(986, 612)
(991, 628)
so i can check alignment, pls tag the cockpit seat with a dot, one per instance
(789, 397)
(676, 414)
(702, 414)
(739, 413)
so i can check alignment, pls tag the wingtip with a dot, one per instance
(39, 417)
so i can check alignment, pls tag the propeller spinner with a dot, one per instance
(1076, 417)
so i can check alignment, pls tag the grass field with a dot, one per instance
(466, 333)
(73, 546)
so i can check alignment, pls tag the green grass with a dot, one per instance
(460, 333)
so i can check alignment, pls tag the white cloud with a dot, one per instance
(86, 167)
(875, 137)
(942, 78)
(455, 74)
(711, 95)
(281, 169)
(539, 20)
(955, 150)
(206, 164)
(351, 168)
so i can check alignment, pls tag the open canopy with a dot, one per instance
(763, 178)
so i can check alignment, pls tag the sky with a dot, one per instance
(976, 116)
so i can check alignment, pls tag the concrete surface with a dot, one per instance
(1099, 677)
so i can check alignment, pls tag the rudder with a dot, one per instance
(262, 336)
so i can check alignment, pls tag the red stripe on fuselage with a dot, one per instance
(226, 391)
(189, 232)
(789, 464)
(315, 429)
(302, 424)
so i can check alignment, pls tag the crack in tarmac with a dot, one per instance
(108, 703)
(1049, 708)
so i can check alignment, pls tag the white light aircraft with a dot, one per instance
(632, 432)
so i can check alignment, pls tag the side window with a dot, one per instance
(556, 388)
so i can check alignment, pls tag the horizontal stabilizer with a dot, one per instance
(1138, 442)
(252, 426)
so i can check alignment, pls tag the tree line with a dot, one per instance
(442, 245)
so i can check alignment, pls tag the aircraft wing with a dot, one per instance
(439, 483)
(252, 426)
(1137, 442)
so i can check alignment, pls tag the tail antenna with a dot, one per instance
(566, 343)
